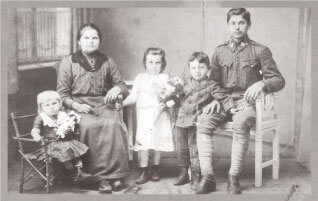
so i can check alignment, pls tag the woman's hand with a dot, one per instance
(210, 108)
(112, 94)
(82, 108)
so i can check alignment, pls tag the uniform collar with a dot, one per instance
(233, 45)
(79, 58)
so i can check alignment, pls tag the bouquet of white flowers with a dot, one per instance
(67, 123)
(170, 95)
(172, 92)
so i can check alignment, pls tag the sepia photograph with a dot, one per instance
(156, 98)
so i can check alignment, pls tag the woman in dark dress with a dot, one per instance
(89, 82)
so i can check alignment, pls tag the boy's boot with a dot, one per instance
(206, 185)
(80, 174)
(233, 184)
(195, 180)
(143, 177)
(155, 173)
(183, 177)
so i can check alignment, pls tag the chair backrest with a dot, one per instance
(22, 126)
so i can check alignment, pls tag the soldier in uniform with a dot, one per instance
(244, 69)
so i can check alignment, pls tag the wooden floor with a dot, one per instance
(292, 175)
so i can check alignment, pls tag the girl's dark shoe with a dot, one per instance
(183, 177)
(195, 180)
(143, 177)
(80, 174)
(105, 187)
(155, 173)
(118, 185)
(233, 185)
(206, 185)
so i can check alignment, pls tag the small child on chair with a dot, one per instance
(58, 127)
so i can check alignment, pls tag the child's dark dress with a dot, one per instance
(63, 149)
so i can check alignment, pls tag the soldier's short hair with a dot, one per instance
(239, 11)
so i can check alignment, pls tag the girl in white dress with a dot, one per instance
(154, 129)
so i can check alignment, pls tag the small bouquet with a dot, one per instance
(170, 95)
(67, 123)
(172, 92)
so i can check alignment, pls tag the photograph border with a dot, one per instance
(7, 196)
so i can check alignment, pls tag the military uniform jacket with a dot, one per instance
(237, 66)
(197, 94)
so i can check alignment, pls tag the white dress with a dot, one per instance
(154, 129)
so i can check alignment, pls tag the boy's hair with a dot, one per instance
(155, 51)
(201, 57)
(89, 25)
(46, 96)
(240, 11)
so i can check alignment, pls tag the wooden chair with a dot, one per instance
(266, 123)
(36, 167)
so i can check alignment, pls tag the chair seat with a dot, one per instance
(228, 126)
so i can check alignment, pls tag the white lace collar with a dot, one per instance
(48, 121)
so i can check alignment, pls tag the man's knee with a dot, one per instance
(243, 121)
(209, 122)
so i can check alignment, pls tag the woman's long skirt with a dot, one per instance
(105, 133)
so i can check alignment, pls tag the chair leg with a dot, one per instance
(275, 155)
(258, 162)
(47, 175)
(47, 170)
(22, 176)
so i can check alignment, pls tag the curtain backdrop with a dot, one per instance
(303, 90)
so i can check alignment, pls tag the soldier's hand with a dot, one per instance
(210, 108)
(253, 91)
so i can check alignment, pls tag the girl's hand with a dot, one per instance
(112, 94)
(170, 103)
(67, 131)
(82, 108)
(118, 106)
(162, 106)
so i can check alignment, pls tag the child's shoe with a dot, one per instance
(143, 177)
(104, 187)
(183, 177)
(195, 180)
(80, 174)
(155, 173)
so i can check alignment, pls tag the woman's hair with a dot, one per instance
(240, 11)
(89, 25)
(201, 57)
(155, 51)
(45, 96)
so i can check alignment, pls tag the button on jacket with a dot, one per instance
(237, 66)
(196, 95)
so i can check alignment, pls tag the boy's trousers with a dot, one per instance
(242, 122)
(187, 151)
